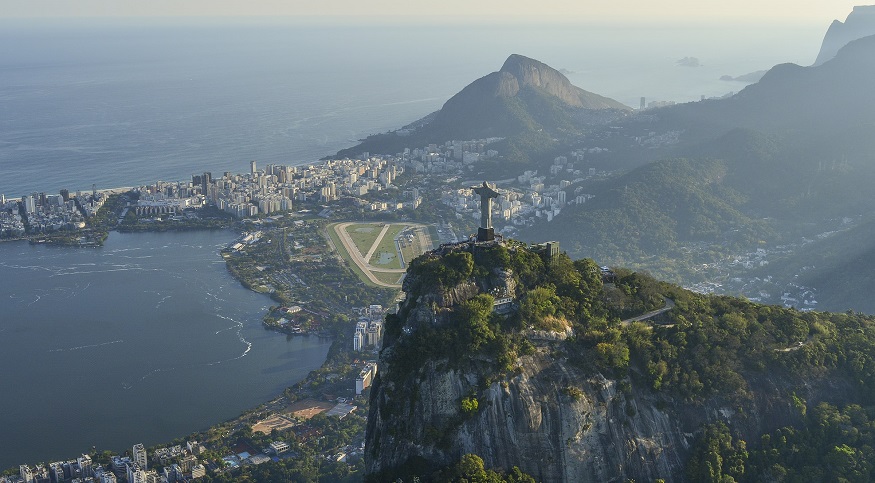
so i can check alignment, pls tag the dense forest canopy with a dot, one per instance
(704, 348)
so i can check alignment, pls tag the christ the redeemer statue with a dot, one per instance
(485, 232)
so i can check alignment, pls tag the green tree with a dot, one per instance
(539, 303)
(613, 355)
(472, 470)
(474, 317)
(470, 405)
(717, 457)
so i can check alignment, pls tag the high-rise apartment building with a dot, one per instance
(139, 456)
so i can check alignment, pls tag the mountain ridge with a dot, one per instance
(790, 96)
(859, 23)
(792, 149)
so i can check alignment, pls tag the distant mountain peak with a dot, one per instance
(860, 23)
(517, 64)
(864, 9)
(524, 96)
(528, 72)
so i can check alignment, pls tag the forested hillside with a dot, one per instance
(763, 168)
(715, 388)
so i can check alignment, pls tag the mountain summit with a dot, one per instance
(525, 95)
(519, 72)
(860, 23)
(525, 99)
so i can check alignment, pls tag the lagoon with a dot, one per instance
(143, 340)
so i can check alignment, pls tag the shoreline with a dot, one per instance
(107, 191)
(245, 411)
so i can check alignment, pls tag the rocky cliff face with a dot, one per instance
(860, 23)
(526, 72)
(519, 73)
(534, 420)
(555, 418)
(552, 420)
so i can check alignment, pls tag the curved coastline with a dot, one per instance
(238, 328)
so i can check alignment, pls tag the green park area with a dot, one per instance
(364, 235)
(355, 240)
(393, 278)
(346, 256)
(386, 254)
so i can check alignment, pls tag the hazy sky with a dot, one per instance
(569, 10)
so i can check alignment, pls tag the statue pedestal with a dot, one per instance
(485, 234)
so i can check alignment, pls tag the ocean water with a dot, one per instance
(119, 103)
(144, 340)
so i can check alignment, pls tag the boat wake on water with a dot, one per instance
(89, 346)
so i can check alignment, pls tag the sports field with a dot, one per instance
(363, 236)
(379, 252)
(386, 254)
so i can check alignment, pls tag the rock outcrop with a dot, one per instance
(555, 417)
(524, 95)
(520, 73)
(524, 72)
(553, 420)
(860, 23)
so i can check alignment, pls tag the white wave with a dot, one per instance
(246, 351)
(124, 269)
(162, 300)
(239, 326)
(26, 267)
(151, 373)
(86, 346)
(127, 385)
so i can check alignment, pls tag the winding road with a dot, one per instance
(669, 304)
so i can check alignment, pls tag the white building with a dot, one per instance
(279, 447)
(139, 456)
(366, 376)
(136, 474)
(194, 447)
(26, 473)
